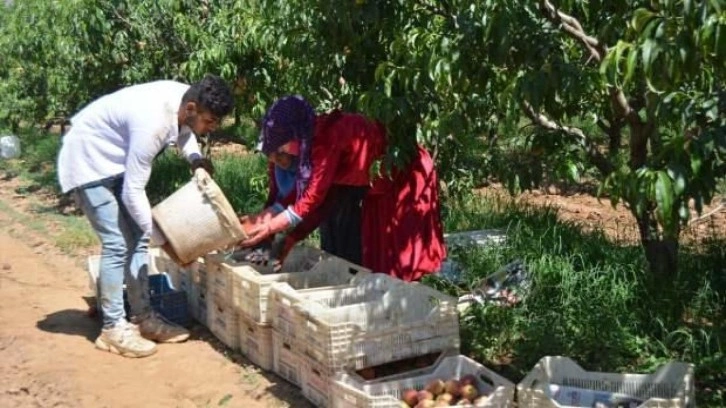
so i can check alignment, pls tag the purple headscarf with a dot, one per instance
(291, 118)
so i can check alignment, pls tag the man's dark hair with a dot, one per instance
(211, 94)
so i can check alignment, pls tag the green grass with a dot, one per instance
(242, 178)
(591, 300)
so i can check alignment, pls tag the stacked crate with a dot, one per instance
(222, 314)
(348, 328)
(288, 343)
(236, 294)
(251, 294)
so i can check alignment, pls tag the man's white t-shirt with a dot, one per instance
(121, 133)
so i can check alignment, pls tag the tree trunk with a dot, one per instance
(661, 253)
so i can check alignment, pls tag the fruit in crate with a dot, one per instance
(410, 397)
(425, 395)
(468, 392)
(445, 397)
(428, 403)
(436, 387)
(453, 387)
(469, 379)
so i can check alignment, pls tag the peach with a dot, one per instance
(425, 395)
(410, 397)
(452, 387)
(435, 387)
(445, 397)
(469, 392)
(469, 379)
(427, 403)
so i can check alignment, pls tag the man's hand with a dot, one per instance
(204, 163)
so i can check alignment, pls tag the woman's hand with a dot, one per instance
(262, 227)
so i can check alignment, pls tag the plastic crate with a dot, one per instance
(223, 321)
(283, 297)
(348, 391)
(255, 342)
(170, 303)
(251, 288)
(315, 382)
(671, 386)
(197, 300)
(408, 320)
(286, 359)
(219, 277)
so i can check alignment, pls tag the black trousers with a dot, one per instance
(340, 231)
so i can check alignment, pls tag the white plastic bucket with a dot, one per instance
(198, 219)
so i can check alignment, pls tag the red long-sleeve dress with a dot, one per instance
(401, 228)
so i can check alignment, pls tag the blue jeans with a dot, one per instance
(124, 252)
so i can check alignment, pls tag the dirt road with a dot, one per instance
(47, 357)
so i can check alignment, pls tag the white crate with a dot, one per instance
(197, 302)
(251, 288)
(286, 359)
(348, 391)
(223, 321)
(315, 382)
(219, 277)
(671, 386)
(284, 296)
(255, 342)
(408, 320)
(156, 265)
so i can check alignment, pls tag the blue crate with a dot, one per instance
(170, 303)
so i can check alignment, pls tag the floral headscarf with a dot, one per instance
(291, 118)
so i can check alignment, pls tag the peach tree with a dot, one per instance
(629, 94)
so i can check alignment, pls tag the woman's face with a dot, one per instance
(282, 160)
(286, 156)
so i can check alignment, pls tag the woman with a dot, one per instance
(331, 156)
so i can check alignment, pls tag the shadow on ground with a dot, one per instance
(72, 322)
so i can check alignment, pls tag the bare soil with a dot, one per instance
(47, 356)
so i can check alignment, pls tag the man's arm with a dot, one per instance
(144, 145)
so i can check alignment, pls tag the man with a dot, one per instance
(105, 162)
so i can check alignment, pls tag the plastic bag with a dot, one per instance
(9, 147)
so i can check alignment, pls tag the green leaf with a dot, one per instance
(664, 194)
(641, 17)
(631, 66)
(677, 174)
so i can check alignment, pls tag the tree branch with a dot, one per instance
(598, 51)
(573, 27)
(597, 158)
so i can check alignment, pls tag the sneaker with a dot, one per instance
(155, 327)
(124, 339)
